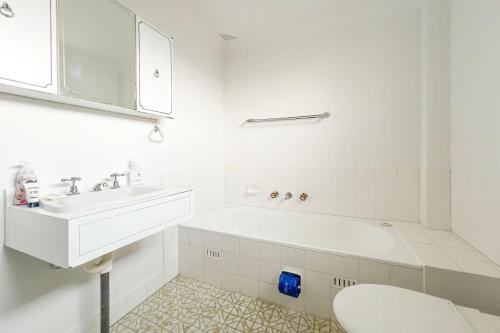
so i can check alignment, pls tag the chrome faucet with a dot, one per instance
(99, 187)
(73, 189)
(116, 184)
(288, 195)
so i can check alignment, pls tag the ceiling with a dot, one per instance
(243, 18)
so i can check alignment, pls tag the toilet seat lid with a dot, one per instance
(368, 308)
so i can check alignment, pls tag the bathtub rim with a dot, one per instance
(416, 265)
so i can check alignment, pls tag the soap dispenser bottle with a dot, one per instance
(135, 177)
(20, 195)
(27, 189)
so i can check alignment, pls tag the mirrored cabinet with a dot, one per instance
(28, 56)
(154, 70)
(93, 53)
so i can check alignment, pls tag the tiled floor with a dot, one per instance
(185, 305)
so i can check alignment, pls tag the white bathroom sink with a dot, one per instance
(72, 230)
(91, 201)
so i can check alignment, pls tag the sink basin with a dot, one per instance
(92, 201)
(73, 230)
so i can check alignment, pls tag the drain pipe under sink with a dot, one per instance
(102, 266)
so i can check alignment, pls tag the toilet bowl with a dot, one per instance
(368, 308)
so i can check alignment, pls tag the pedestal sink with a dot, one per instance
(77, 229)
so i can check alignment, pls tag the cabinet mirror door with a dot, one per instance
(98, 51)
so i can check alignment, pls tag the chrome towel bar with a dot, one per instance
(312, 116)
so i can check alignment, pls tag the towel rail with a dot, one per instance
(311, 116)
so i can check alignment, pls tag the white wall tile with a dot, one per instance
(183, 235)
(481, 291)
(184, 268)
(212, 241)
(408, 177)
(334, 291)
(184, 251)
(465, 254)
(393, 195)
(197, 272)
(249, 248)
(317, 261)
(270, 252)
(171, 253)
(386, 206)
(409, 195)
(171, 271)
(346, 175)
(214, 277)
(230, 244)
(269, 272)
(196, 237)
(249, 287)
(345, 207)
(344, 266)
(318, 305)
(249, 267)
(407, 278)
(316, 283)
(212, 263)
(230, 263)
(374, 272)
(365, 176)
(171, 235)
(196, 254)
(444, 283)
(295, 304)
(478, 267)
(386, 177)
(365, 209)
(269, 292)
(292, 257)
(230, 281)
(438, 261)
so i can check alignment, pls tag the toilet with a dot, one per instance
(368, 308)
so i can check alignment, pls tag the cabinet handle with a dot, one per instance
(157, 73)
(6, 11)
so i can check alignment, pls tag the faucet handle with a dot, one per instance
(99, 187)
(71, 179)
(115, 175)
(73, 190)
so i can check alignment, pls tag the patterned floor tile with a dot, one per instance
(187, 306)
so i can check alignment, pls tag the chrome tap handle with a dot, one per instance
(116, 184)
(6, 10)
(72, 179)
(73, 189)
(99, 187)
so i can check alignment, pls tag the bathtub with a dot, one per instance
(346, 236)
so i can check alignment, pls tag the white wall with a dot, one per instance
(363, 161)
(475, 101)
(66, 141)
(435, 115)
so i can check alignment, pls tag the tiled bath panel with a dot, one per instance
(252, 267)
(186, 305)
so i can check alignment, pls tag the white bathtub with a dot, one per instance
(333, 234)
